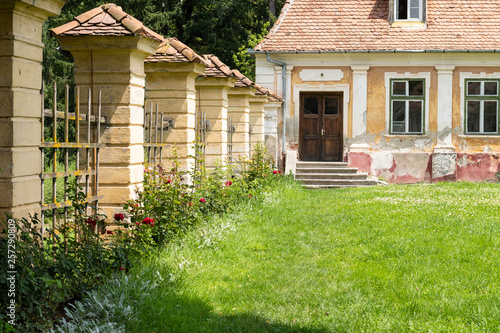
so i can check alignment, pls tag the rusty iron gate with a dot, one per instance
(249, 141)
(90, 145)
(156, 125)
(230, 131)
(202, 127)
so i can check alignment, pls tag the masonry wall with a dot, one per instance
(442, 153)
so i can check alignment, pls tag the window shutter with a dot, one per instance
(391, 11)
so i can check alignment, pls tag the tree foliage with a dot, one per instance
(225, 28)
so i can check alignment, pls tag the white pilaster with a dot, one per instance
(360, 97)
(445, 105)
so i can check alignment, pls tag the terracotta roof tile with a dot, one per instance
(362, 25)
(243, 81)
(105, 20)
(216, 67)
(173, 50)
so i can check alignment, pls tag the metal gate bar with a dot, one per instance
(65, 146)
(230, 131)
(154, 134)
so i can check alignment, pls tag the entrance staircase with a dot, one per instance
(331, 175)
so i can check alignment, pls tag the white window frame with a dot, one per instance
(426, 76)
(480, 98)
(463, 112)
(420, 11)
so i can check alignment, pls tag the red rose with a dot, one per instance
(202, 200)
(148, 221)
(275, 172)
(121, 269)
(169, 181)
(109, 232)
(119, 217)
(190, 204)
(137, 223)
(92, 222)
(229, 183)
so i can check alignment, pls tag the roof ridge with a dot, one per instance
(130, 23)
(277, 24)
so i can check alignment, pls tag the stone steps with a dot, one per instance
(331, 175)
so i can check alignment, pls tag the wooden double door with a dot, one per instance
(321, 127)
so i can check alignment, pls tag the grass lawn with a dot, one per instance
(419, 258)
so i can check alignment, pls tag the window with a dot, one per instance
(409, 10)
(407, 106)
(481, 106)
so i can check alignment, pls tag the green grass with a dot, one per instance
(420, 258)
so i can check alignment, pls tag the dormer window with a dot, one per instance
(409, 10)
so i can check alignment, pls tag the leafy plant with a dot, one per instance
(52, 270)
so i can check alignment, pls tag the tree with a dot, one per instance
(225, 28)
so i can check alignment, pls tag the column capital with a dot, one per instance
(360, 69)
(445, 69)
(222, 82)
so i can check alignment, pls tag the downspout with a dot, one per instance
(283, 66)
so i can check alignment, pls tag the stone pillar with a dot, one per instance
(21, 58)
(213, 99)
(360, 96)
(257, 113)
(172, 86)
(445, 105)
(239, 110)
(272, 110)
(445, 157)
(115, 66)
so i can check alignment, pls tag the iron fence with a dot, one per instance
(67, 148)
(156, 125)
(230, 132)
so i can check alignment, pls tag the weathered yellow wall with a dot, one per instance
(347, 79)
(377, 113)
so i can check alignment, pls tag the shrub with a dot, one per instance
(175, 206)
(69, 261)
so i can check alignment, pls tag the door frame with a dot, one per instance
(345, 89)
(322, 120)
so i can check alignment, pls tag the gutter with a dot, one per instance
(251, 51)
(283, 66)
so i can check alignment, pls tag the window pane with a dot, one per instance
(414, 3)
(402, 9)
(398, 116)
(473, 88)
(331, 105)
(414, 13)
(416, 88)
(473, 116)
(399, 88)
(490, 116)
(415, 114)
(490, 88)
(311, 105)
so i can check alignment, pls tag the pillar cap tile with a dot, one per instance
(106, 20)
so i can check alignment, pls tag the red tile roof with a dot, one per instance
(173, 50)
(243, 81)
(216, 67)
(105, 20)
(362, 25)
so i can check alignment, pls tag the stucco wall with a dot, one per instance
(433, 156)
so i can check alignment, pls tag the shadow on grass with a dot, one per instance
(184, 315)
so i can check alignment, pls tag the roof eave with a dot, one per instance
(252, 51)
